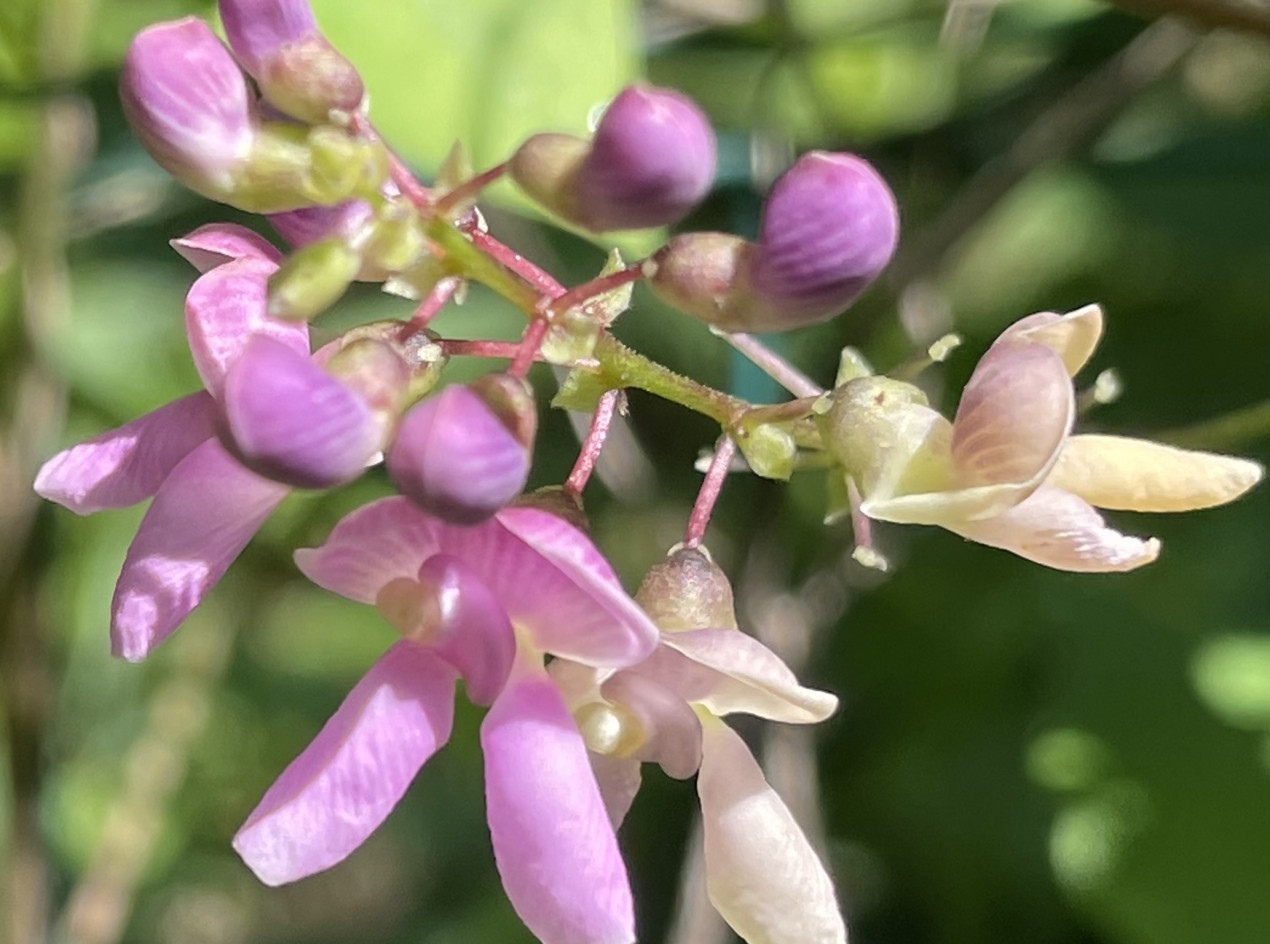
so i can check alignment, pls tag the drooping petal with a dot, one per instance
(1072, 336)
(618, 779)
(217, 243)
(225, 309)
(761, 873)
(344, 784)
(1139, 475)
(553, 841)
(1013, 416)
(470, 629)
(202, 517)
(727, 671)
(291, 421)
(1060, 530)
(126, 465)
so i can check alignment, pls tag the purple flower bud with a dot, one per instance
(829, 227)
(650, 161)
(189, 104)
(457, 458)
(288, 419)
(279, 43)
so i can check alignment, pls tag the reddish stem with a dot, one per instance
(499, 252)
(597, 286)
(703, 508)
(479, 347)
(401, 175)
(589, 454)
(470, 187)
(433, 302)
(861, 526)
(772, 364)
(530, 342)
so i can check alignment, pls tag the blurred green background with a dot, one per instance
(1021, 756)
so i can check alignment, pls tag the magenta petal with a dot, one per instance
(202, 517)
(126, 465)
(553, 842)
(217, 243)
(256, 28)
(291, 421)
(225, 309)
(338, 791)
(309, 224)
(473, 633)
(454, 458)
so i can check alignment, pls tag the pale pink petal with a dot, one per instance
(618, 779)
(1072, 336)
(344, 784)
(126, 465)
(1063, 531)
(1014, 414)
(670, 727)
(470, 629)
(553, 842)
(202, 517)
(761, 873)
(217, 243)
(727, 671)
(224, 309)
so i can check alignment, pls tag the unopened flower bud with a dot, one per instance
(188, 102)
(463, 453)
(769, 450)
(289, 420)
(379, 374)
(650, 161)
(312, 279)
(829, 227)
(298, 71)
(417, 350)
(687, 591)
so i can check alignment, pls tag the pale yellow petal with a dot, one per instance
(1072, 336)
(1060, 530)
(1139, 475)
(945, 508)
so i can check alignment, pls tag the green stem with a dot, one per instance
(619, 366)
(468, 261)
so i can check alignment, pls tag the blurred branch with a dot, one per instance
(1223, 432)
(1252, 16)
(1067, 126)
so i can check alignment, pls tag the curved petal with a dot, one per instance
(1072, 336)
(126, 465)
(761, 873)
(553, 842)
(338, 791)
(1063, 531)
(671, 730)
(1014, 414)
(618, 779)
(217, 243)
(225, 308)
(202, 517)
(727, 671)
(1139, 475)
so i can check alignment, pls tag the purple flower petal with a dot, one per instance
(338, 791)
(310, 224)
(291, 421)
(188, 102)
(126, 465)
(256, 28)
(553, 842)
(202, 517)
(472, 631)
(217, 243)
(225, 309)
(761, 873)
(454, 458)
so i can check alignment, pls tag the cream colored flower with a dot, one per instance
(1007, 471)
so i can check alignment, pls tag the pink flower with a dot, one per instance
(1007, 471)
(761, 873)
(481, 603)
(206, 505)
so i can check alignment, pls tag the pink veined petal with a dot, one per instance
(761, 873)
(553, 842)
(225, 309)
(202, 517)
(346, 782)
(618, 779)
(1013, 416)
(670, 726)
(1063, 531)
(472, 631)
(727, 671)
(217, 243)
(1072, 336)
(126, 465)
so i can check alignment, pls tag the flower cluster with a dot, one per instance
(504, 590)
